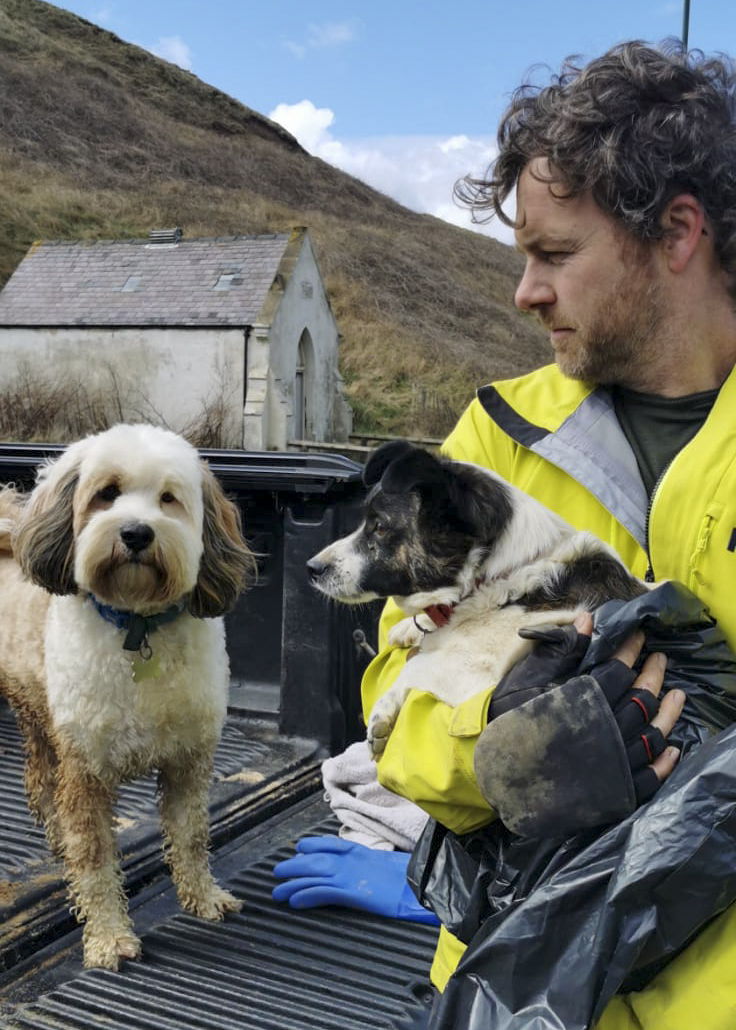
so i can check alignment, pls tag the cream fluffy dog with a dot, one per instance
(114, 573)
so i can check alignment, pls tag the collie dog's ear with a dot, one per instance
(43, 538)
(412, 468)
(469, 500)
(227, 563)
(384, 456)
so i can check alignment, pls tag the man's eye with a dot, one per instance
(108, 493)
(167, 497)
(555, 257)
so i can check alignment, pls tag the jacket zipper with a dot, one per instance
(649, 576)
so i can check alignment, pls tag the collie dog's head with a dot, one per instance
(134, 517)
(428, 524)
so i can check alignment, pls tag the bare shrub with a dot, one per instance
(212, 427)
(40, 406)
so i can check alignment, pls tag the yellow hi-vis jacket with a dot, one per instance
(559, 440)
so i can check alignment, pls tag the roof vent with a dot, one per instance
(165, 235)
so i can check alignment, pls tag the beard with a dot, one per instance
(620, 345)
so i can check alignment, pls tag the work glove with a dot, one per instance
(333, 871)
(557, 654)
(562, 752)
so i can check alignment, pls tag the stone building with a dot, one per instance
(178, 330)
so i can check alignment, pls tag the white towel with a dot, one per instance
(369, 813)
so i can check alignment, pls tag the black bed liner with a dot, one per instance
(258, 772)
(266, 967)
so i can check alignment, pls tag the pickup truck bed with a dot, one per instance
(294, 700)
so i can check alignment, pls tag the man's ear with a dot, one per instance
(683, 223)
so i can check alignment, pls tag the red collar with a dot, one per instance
(439, 613)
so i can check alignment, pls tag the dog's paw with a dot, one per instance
(214, 904)
(409, 632)
(382, 721)
(106, 951)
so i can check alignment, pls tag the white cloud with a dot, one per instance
(329, 34)
(173, 49)
(417, 171)
(305, 121)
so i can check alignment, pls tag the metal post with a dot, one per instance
(685, 24)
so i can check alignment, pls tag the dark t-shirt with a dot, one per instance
(658, 427)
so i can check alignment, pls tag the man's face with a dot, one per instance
(588, 282)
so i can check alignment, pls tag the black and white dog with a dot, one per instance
(471, 560)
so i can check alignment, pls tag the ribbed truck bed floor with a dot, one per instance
(267, 967)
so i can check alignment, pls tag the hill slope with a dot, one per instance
(101, 140)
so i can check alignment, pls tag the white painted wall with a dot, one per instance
(164, 375)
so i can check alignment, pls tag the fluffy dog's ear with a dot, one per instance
(382, 457)
(227, 562)
(43, 538)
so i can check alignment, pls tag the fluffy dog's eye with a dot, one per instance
(380, 528)
(108, 493)
(167, 497)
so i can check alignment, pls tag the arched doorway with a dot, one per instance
(304, 389)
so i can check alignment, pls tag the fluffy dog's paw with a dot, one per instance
(409, 632)
(214, 904)
(106, 951)
(382, 720)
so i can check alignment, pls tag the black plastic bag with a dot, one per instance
(555, 928)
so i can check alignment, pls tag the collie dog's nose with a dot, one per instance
(136, 536)
(315, 568)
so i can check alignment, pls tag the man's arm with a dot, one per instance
(430, 755)
(566, 752)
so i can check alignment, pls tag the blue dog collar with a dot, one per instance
(138, 626)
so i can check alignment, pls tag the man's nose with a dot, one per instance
(534, 289)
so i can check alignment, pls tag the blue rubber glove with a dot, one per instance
(333, 871)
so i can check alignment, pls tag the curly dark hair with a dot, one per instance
(636, 127)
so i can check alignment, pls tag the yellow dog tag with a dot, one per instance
(146, 668)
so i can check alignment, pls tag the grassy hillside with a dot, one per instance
(101, 140)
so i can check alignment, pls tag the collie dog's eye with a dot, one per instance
(167, 497)
(108, 493)
(380, 528)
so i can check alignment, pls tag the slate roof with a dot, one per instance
(218, 281)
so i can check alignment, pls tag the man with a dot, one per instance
(626, 216)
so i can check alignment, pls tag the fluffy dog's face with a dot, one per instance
(137, 520)
(133, 517)
(423, 518)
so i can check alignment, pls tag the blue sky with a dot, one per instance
(404, 94)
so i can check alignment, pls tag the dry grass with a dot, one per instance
(100, 140)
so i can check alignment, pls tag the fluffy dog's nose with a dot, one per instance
(315, 568)
(136, 536)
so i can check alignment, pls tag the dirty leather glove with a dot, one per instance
(557, 654)
(333, 871)
(558, 758)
